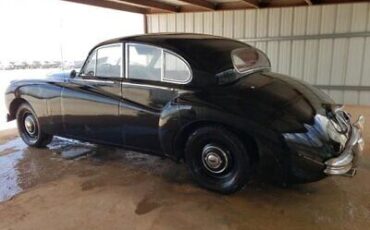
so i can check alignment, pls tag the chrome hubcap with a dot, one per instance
(214, 159)
(30, 125)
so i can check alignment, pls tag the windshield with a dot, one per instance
(249, 59)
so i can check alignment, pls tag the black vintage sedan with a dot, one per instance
(210, 101)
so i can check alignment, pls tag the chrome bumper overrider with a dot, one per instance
(345, 164)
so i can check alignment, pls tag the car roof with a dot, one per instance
(205, 53)
(155, 37)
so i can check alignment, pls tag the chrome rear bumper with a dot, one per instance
(345, 164)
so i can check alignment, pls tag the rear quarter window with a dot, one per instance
(175, 69)
(249, 59)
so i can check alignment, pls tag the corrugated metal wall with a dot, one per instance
(327, 46)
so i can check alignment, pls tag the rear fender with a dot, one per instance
(271, 153)
(169, 124)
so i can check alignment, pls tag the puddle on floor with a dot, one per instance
(10, 154)
(23, 167)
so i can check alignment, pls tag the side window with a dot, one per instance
(175, 69)
(144, 62)
(89, 69)
(147, 62)
(109, 61)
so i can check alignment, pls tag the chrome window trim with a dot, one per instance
(119, 44)
(85, 63)
(187, 65)
(252, 70)
(95, 53)
(126, 61)
(96, 61)
(162, 65)
(163, 51)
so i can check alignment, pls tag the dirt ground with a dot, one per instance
(73, 185)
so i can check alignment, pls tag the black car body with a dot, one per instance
(167, 93)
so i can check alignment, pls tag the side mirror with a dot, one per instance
(73, 74)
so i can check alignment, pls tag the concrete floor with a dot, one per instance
(71, 185)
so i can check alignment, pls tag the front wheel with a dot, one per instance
(29, 127)
(217, 159)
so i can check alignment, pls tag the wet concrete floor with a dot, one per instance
(74, 185)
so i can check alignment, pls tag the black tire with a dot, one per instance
(217, 159)
(36, 138)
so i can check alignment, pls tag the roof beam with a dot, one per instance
(111, 5)
(153, 4)
(201, 3)
(239, 5)
(252, 3)
(286, 3)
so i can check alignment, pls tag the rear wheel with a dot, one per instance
(217, 159)
(29, 127)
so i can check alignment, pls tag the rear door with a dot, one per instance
(153, 78)
(90, 102)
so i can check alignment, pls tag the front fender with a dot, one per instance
(44, 99)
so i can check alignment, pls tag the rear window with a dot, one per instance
(249, 59)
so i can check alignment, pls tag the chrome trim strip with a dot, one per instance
(94, 80)
(146, 85)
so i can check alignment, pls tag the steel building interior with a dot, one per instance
(323, 42)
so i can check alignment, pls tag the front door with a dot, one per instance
(90, 102)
